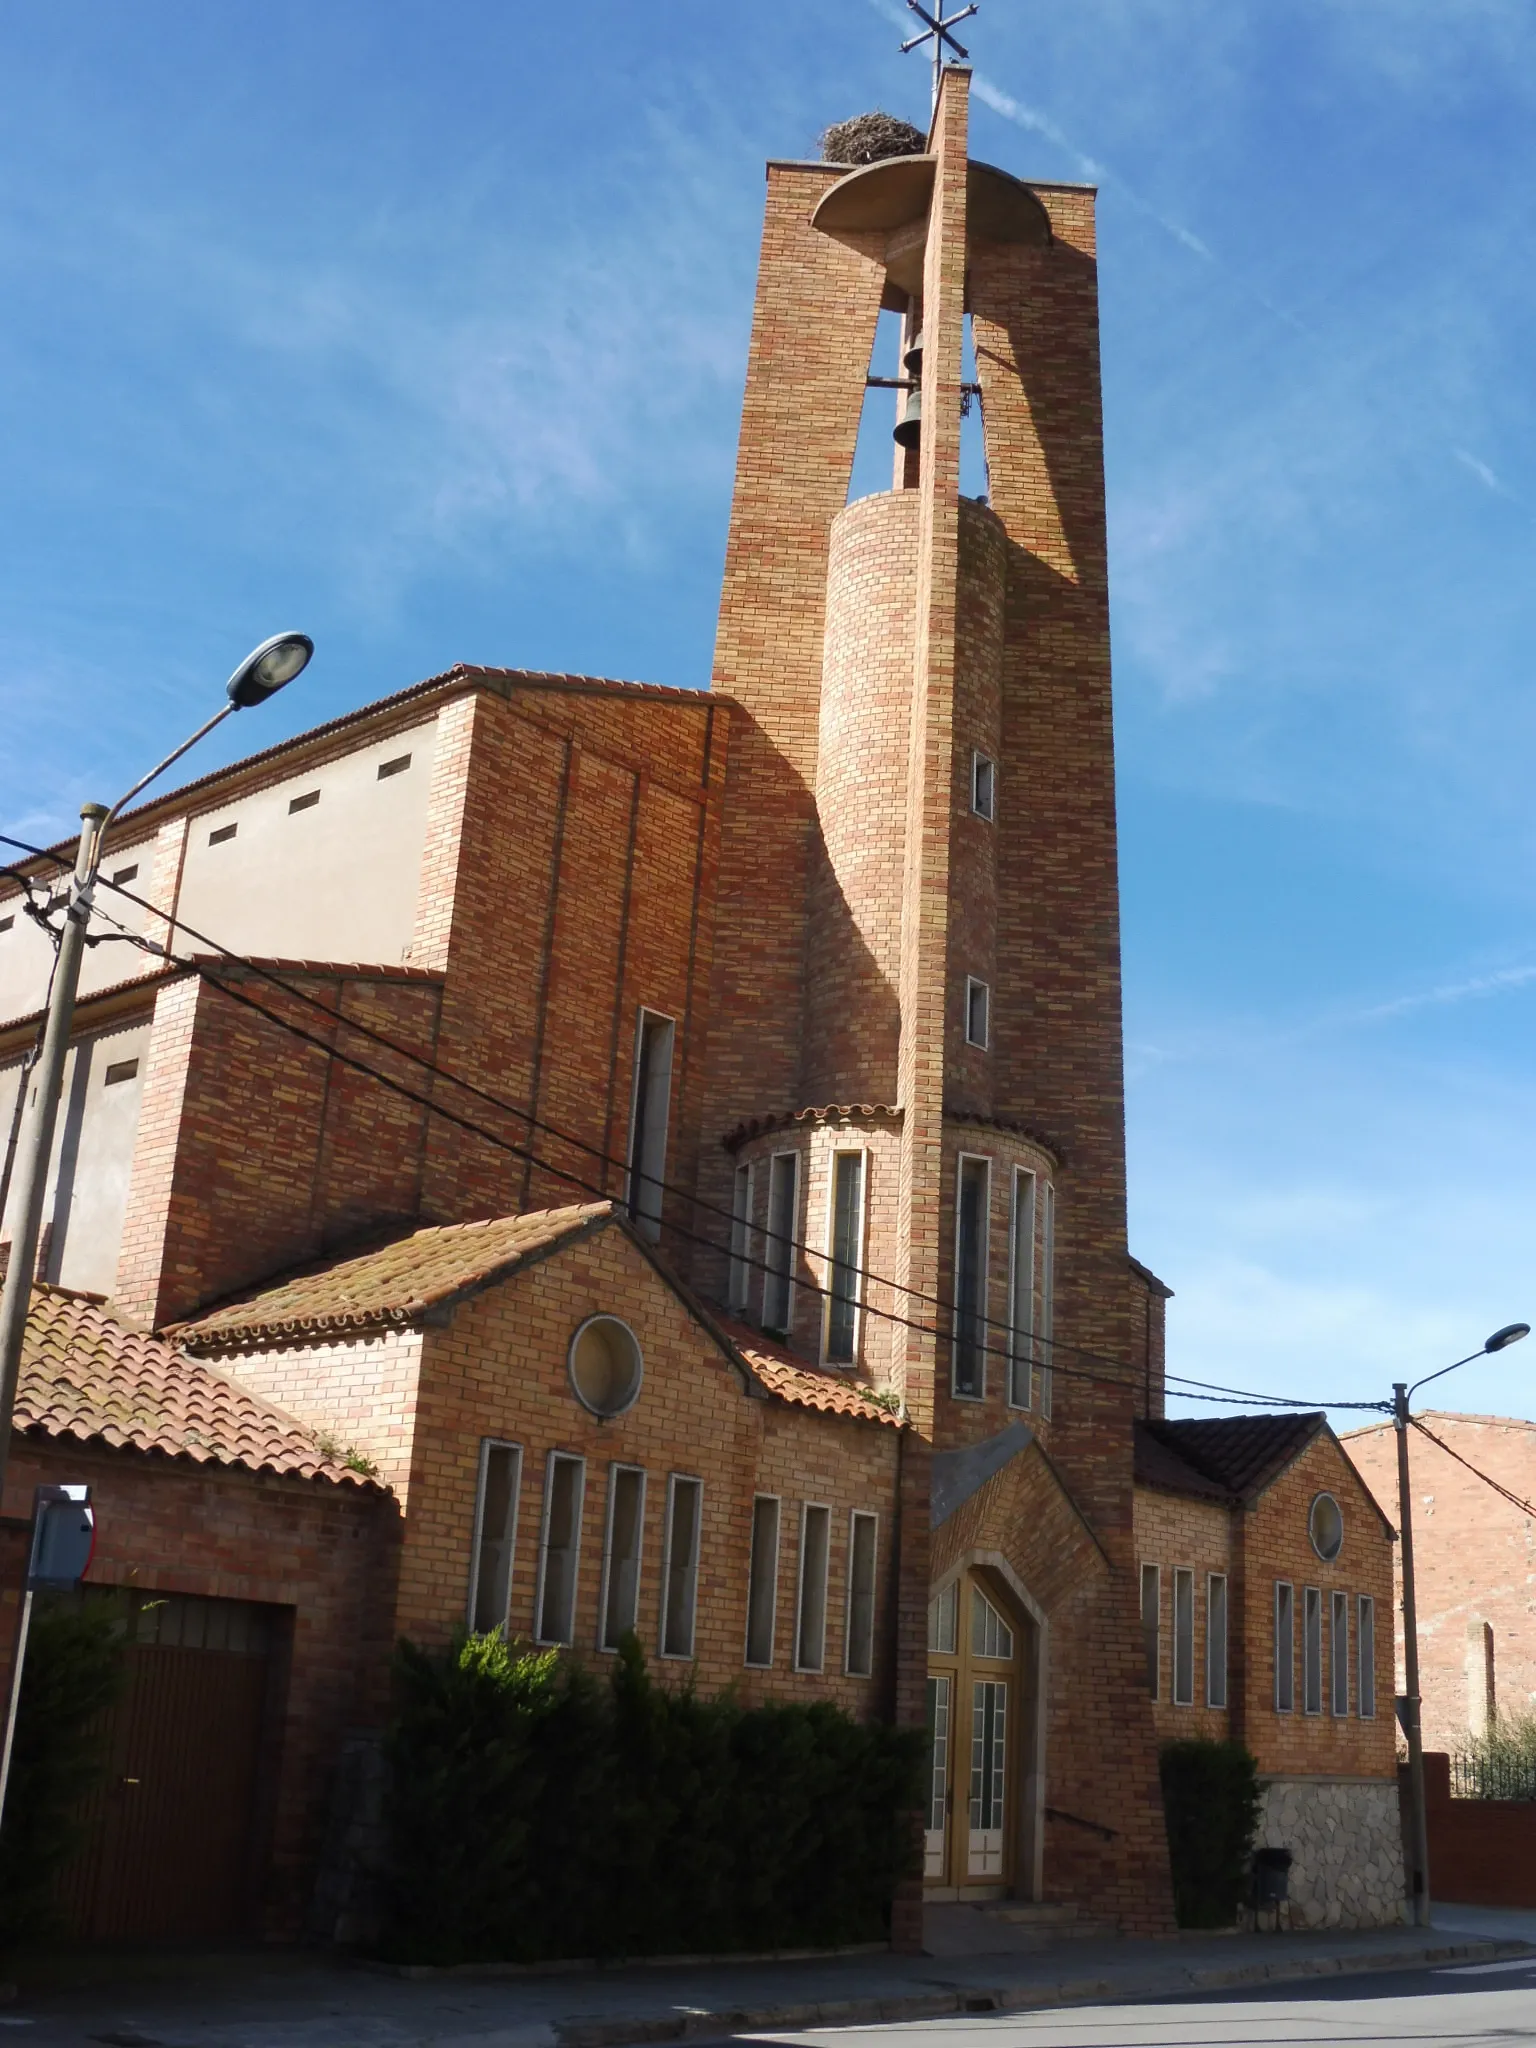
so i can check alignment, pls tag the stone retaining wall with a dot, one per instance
(1346, 1838)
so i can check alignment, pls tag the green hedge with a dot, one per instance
(534, 1812)
(72, 1673)
(1211, 1804)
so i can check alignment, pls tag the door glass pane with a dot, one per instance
(938, 1749)
(943, 1611)
(989, 1729)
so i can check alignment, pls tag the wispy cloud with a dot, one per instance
(1445, 994)
(1482, 472)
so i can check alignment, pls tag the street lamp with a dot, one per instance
(263, 672)
(1410, 1715)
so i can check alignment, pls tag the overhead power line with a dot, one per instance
(1126, 1373)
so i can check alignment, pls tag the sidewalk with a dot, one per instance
(302, 2001)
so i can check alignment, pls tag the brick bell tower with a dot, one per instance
(917, 945)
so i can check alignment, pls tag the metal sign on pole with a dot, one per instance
(63, 1538)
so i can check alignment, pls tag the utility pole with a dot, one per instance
(1418, 1832)
(263, 672)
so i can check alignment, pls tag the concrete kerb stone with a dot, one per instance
(1159, 1980)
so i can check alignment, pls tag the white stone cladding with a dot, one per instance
(1346, 1838)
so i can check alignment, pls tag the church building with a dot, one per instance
(673, 1139)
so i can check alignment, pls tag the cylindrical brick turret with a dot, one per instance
(853, 1020)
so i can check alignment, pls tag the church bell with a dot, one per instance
(908, 430)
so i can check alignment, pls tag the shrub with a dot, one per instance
(1211, 1806)
(72, 1673)
(534, 1813)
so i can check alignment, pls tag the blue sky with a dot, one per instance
(424, 329)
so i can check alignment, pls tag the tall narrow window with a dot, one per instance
(978, 1012)
(763, 1581)
(1216, 1640)
(1365, 1650)
(973, 1179)
(1285, 1648)
(983, 786)
(1045, 1346)
(1312, 1651)
(1338, 1651)
(680, 1566)
(621, 1553)
(1490, 1682)
(847, 1230)
(859, 1660)
(783, 1209)
(648, 1120)
(560, 1548)
(741, 1238)
(1183, 1638)
(1021, 1291)
(490, 1573)
(1151, 1627)
(811, 1618)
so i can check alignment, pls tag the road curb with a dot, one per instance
(1158, 1980)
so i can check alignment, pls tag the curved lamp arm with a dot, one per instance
(1511, 1333)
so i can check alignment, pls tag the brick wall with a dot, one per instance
(324, 1553)
(1174, 1532)
(1474, 1565)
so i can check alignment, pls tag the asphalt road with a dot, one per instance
(1447, 2007)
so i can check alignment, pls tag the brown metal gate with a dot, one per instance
(170, 1851)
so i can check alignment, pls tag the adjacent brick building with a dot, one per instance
(1474, 1557)
(521, 1027)
(1266, 1588)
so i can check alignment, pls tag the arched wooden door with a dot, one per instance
(979, 1657)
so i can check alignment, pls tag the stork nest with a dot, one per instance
(870, 138)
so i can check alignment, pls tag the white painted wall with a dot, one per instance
(92, 1154)
(336, 880)
(26, 954)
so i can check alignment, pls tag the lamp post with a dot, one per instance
(263, 672)
(1410, 1713)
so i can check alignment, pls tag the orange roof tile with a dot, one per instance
(85, 1373)
(397, 1283)
(807, 1386)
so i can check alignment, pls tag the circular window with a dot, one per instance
(605, 1365)
(1325, 1525)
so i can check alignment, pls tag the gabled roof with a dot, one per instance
(400, 1282)
(1233, 1458)
(427, 1273)
(89, 1375)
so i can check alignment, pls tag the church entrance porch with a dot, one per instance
(983, 1661)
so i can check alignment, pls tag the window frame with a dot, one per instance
(1285, 1694)
(973, 983)
(807, 1509)
(1217, 1640)
(488, 1444)
(1311, 1667)
(1183, 1687)
(771, 1238)
(776, 1501)
(552, 1459)
(649, 1173)
(1021, 1335)
(1045, 1336)
(855, 1267)
(1365, 1656)
(1338, 1642)
(1152, 1651)
(617, 1468)
(855, 1517)
(738, 1291)
(675, 1480)
(962, 1160)
(979, 760)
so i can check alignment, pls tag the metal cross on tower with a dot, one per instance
(938, 32)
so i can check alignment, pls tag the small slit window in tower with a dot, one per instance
(984, 786)
(648, 1120)
(972, 1208)
(978, 1012)
(846, 1243)
(779, 1251)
